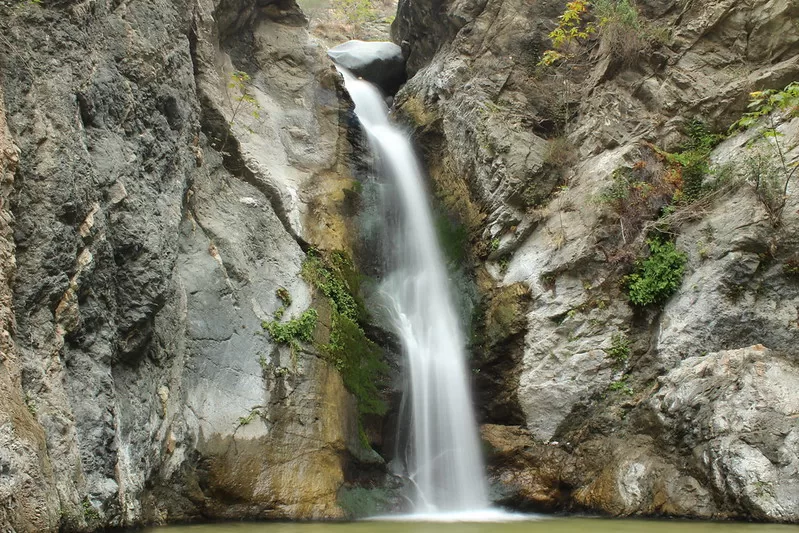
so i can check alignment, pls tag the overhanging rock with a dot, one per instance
(379, 62)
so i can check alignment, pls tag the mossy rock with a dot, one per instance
(415, 111)
(505, 313)
(361, 502)
(342, 339)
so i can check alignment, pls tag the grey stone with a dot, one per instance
(487, 119)
(381, 63)
(736, 412)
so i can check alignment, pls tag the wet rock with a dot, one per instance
(381, 63)
(28, 501)
(523, 473)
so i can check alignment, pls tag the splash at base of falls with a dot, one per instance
(488, 515)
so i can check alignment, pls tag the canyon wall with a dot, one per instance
(680, 407)
(167, 168)
(164, 166)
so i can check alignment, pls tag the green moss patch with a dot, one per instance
(359, 360)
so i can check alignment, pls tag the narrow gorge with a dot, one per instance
(195, 262)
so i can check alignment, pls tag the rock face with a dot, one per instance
(378, 62)
(717, 440)
(28, 501)
(524, 157)
(736, 412)
(174, 160)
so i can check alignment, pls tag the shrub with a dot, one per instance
(693, 161)
(771, 179)
(658, 276)
(293, 331)
(662, 188)
(240, 82)
(354, 11)
(639, 194)
(560, 152)
(616, 12)
(619, 349)
(572, 27)
(620, 30)
(621, 386)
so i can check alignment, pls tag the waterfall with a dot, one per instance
(444, 461)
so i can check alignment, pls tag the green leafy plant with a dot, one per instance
(694, 159)
(621, 386)
(293, 331)
(617, 22)
(658, 276)
(616, 11)
(770, 180)
(571, 27)
(763, 103)
(249, 418)
(619, 349)
(691, 164)
(336, 278)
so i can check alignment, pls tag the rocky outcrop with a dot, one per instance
(525, 158)
(733, 409)
(175, 160)
(729, 409)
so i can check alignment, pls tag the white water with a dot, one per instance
(444, 460)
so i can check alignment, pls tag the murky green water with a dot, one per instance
(553, 525)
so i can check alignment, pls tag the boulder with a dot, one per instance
(736, 412)
(381, 62)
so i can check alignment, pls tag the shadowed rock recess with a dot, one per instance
(167, 167)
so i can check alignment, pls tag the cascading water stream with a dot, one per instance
(444, 460)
